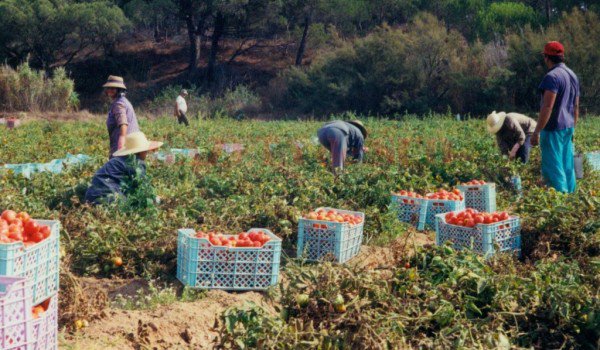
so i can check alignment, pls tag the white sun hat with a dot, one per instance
(137, 142)
(495, 122)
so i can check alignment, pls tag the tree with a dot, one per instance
(501, 17)
(54, 32)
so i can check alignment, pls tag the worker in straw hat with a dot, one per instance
(513, 133)
(558, 116)
(343, 138)
(126, 169)
(121, 119)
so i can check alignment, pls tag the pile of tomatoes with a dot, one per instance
(454, 195)
(254, 239)
(471, 217)
(20, 227)
(335, 216)
(475, 183)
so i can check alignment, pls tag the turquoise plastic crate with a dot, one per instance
(439, 206)
(39, 263)
(482, 239)
(202, 265)
(480, 197)
(594, 159)
(329, 241)
(410, 210)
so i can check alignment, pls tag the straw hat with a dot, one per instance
(137, 142)
(359, 125)
(115, 82)
(495, 122)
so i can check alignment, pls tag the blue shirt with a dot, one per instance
(564, 83)
(355, 138)
(109, 179)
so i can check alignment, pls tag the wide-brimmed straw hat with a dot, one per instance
(495, 122)
(115, 82)
(359, 125)
(137, 142)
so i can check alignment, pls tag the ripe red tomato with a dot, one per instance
(479, 219)
(504, 216)
(9, 216)
(45, 231)
(31, 227)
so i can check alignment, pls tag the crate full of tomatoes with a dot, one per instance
(420, 210)
(479, 195)
(30, 248)
(484, 233)
(44, 325)
(211, 260)
(328, 234)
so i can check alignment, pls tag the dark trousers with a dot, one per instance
(182, 119)
(523, 152)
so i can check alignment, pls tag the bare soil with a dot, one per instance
(191, 325)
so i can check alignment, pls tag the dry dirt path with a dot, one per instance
(187, 325)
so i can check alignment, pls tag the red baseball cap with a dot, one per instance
(554, 48)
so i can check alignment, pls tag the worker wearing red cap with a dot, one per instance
(558, 116)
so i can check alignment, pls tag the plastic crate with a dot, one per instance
(15, 311)
(410, 210)
(439, 206)
(483, 239)
(39, 263)
(480, 197)
(202, 265)
(44, 329)
(329, 241)
(594, 159)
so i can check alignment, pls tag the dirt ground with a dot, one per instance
(188, 325)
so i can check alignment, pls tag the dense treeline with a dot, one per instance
(411, 55)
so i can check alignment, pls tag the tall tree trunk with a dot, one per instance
(302, 47)
(195, 47)
(218, 30)
(548, 10)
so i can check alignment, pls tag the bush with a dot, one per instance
(27, 89)
(390, 71)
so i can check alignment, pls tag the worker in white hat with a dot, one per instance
(121, 119)
(513, 133)
(127, 166)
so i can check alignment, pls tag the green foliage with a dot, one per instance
(501, 17)
(27, 89)
(390, 71)
(52, 32)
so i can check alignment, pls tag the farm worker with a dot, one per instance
(343, 138)
(513, 133)
(121, 119)
(127, 167)
(181, 108)
(556, 123)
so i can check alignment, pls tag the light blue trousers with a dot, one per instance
(558, 161)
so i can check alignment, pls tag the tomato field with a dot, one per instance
(423, 297)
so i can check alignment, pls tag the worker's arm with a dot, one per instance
(122, 134)
(545, 113)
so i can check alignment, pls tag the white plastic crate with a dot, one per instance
(45, 328)
(202, 265)
(329, 241)
(483, 239)
(480, 197)
(15, 313)
(39, 263)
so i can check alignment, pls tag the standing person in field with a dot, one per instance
(121, 120)
(513, 133)
(558, 116)
(124, 172)
(343, 138)
(181, 108)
